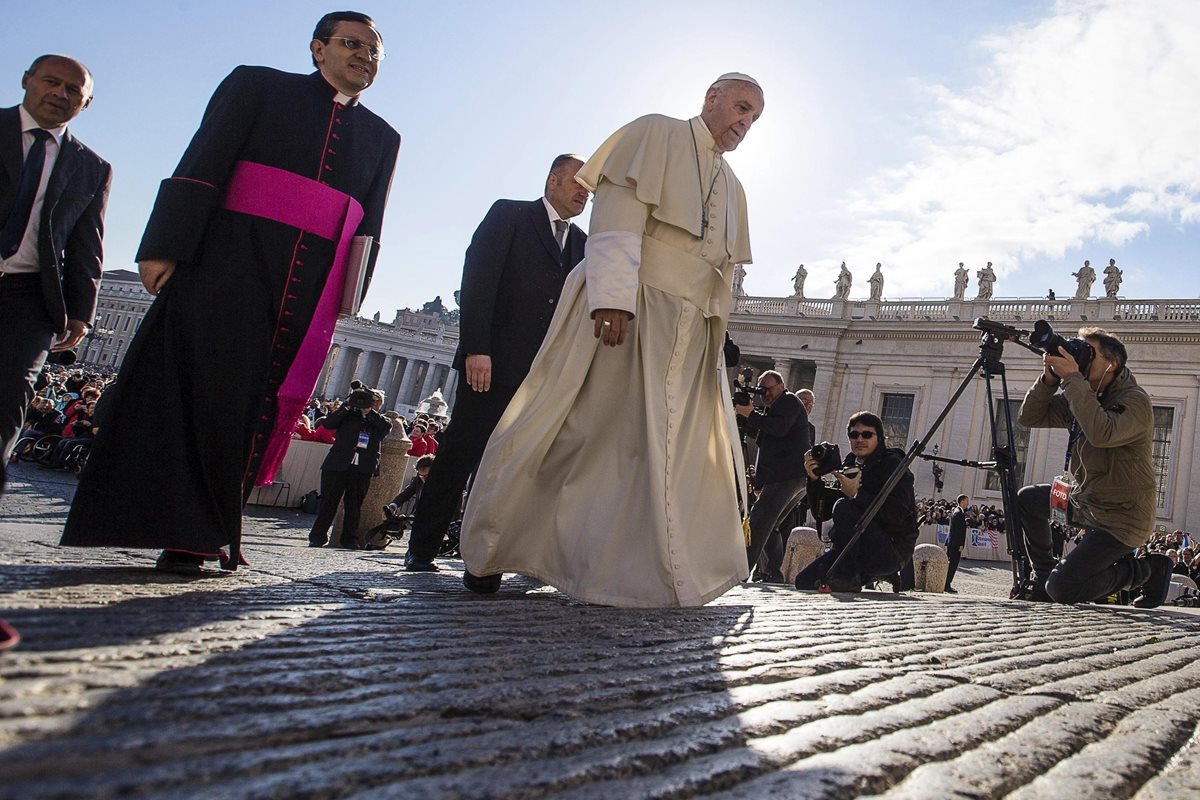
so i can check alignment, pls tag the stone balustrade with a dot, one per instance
(1009, 310)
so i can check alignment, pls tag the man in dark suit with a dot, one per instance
(957, 540)
(782, 431)
(53, 191)
(352, 460)
(514, 272)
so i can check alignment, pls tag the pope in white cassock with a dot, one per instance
(612, 475)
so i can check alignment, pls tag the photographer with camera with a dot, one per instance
(352, 460)
(887, 542)
(782, 431)
(1109, 488)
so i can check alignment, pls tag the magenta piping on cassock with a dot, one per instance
(315, 208)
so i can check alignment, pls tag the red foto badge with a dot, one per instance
(1060, 494)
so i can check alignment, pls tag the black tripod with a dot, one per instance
(1004, 458)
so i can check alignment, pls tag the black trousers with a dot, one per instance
(26, 333)
(872, 556)
(1099, 566)
(954, 552)
(349, 484)
(475, 416)
(775, 501)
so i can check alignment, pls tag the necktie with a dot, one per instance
(31, 176)
(560, 232)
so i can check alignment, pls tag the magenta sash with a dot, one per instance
(315, 208)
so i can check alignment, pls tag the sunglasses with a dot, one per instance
(862, 434)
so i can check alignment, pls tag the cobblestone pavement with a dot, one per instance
(327, 674)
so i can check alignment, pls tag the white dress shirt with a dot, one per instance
(26, 257)
(554, 216)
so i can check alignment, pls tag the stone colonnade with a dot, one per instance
(405, 380)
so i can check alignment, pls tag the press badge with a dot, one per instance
(361, 447)
(1060, 495)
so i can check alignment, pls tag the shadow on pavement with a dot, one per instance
(291, 690)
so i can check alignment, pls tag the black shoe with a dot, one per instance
(1154, 590)
(349, 545)
(413, 565)
(488, 584)
(318, 542)
(179, 563)
(840, 582)
(950, 590)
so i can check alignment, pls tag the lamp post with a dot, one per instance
(96, 338)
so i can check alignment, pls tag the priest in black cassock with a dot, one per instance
(247, 250)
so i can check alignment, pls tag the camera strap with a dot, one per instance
(1072, 437)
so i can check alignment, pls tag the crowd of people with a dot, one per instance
(981, 516)
(424, 430)
(59, 429)
(1180, 547)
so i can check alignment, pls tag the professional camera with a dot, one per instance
(744, 388)
(828, 457)
(1043, 336)
(361, 398)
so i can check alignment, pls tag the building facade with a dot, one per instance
(904, 360)
(408, 359)
(901, 359)
(120, 306)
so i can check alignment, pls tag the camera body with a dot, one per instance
(745, 389)
(828, 457)
(1044, 337)
(361, 398)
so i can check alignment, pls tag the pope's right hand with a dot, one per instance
(611, 325)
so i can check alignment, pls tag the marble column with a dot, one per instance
(827, 390)
(451, 388)
(393, 388)
(331, 360)
(427, 386)
(385, 377)
(339, 383)
(411, 376)
(371, 368)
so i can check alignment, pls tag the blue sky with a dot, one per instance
(916, 134)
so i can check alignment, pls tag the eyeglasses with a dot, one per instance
(374, 52)
(862, 434)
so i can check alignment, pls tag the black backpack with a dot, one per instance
(310, 502)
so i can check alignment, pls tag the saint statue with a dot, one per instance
(798, 282)
(739, 275)
(876, 281)
(1112, 278)
(1086, 276)
(986, 278)
(961, 276)
(842, 285)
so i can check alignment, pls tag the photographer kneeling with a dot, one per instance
(783, 438)
(1110, 488)
(888, 541)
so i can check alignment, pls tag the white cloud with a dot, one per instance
(1085, 129)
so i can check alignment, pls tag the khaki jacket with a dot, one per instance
(1115, 486)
